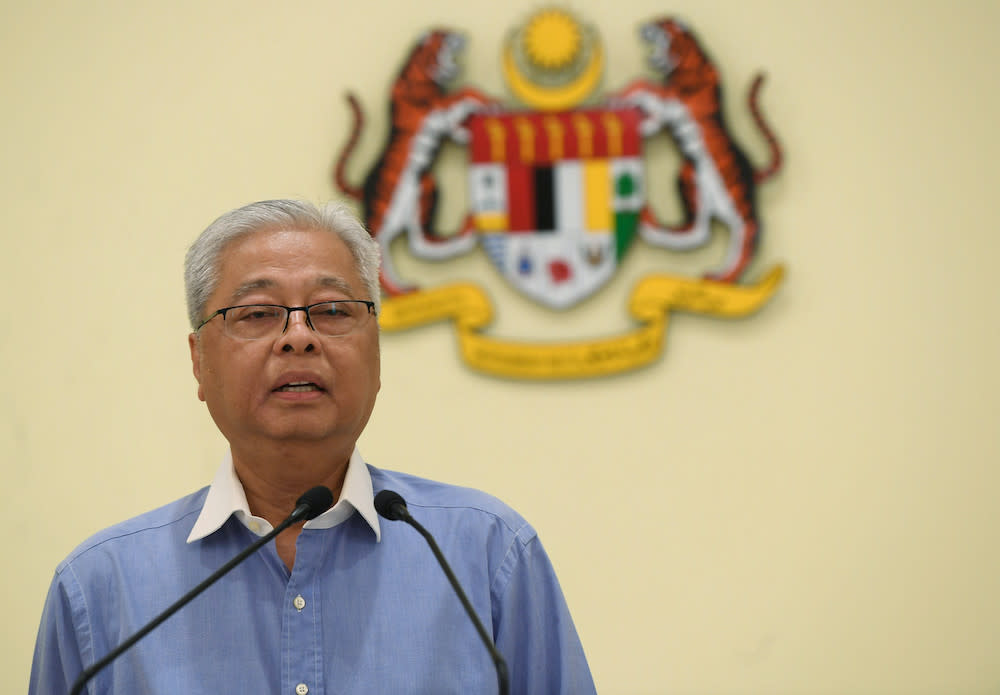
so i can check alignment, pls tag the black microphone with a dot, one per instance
(313, 503)
(393, 507)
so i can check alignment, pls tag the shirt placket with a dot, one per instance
(301, 623)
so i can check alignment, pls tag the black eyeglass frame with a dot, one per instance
(288, 313)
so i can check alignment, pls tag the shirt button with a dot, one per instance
(301, 689)
(299, 603)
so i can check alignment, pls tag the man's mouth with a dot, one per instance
(299, 387)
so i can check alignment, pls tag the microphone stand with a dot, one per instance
(390, 505)
(304, 510)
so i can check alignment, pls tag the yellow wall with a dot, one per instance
(800, 502)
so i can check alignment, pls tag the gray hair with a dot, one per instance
(201, 264)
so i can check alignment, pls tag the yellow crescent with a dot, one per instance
(553, 98)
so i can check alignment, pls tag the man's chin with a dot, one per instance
(302, 432)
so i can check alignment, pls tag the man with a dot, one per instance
(283, 300)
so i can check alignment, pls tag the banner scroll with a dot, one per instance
(651, 302)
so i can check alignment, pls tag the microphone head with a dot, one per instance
(387, 503)
(318, 499)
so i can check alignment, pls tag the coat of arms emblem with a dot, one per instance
(557, 192)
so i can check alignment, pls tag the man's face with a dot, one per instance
(245, 382)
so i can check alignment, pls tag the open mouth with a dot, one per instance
(299, 387)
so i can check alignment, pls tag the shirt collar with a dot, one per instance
(226, 498)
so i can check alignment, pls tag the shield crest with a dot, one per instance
(556, 197)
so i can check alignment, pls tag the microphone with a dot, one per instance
(310, 505)
(392, 506)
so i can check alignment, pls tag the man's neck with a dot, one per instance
(274, 481)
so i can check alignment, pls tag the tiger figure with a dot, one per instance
(717, 180)
(399, 193)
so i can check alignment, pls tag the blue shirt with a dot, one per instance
(365, 609)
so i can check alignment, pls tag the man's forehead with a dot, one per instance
(267, 259)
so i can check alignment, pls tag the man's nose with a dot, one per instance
(298, 335)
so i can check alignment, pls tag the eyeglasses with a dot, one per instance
(259, 321)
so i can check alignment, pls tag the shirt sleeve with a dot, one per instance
(57, 661)
(533, 628)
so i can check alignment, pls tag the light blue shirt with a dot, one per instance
(365, 609)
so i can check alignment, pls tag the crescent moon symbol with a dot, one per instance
(553, 98)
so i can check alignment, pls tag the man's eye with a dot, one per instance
(328, 310)
(255, 314)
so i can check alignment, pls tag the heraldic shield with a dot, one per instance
(556, 197)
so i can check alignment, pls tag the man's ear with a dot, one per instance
(195, 346)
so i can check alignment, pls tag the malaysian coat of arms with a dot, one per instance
(557, 192)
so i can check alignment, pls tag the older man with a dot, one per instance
(283, 299)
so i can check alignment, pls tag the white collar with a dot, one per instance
(226, 497)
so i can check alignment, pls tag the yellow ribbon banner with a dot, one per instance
(653, 298)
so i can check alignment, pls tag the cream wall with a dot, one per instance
(800, 502)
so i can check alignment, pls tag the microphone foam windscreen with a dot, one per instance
(318, 499)
(385, 504)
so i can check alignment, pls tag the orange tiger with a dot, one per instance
(399, 194)
(717, 180)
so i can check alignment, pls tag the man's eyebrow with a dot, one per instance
(248, 287)
(265, 283)
(337, 284)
